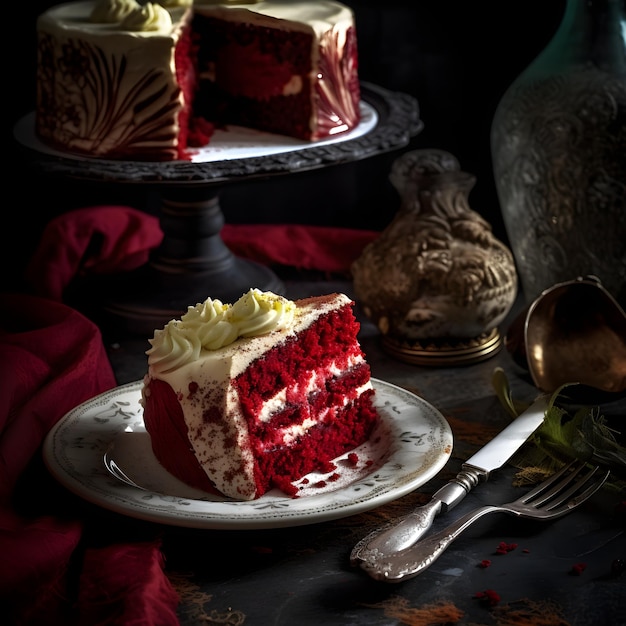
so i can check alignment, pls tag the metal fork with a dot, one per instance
(558, 495)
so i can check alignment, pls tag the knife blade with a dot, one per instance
(403, 533)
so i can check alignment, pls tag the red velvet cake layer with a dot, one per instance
(249, 66)
(331, 338)
(264, 78)
(343, 430)
(325, 348)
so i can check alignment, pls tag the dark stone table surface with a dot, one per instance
(302, 575)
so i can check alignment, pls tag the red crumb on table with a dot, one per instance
(578, 569)
(333, 477)
(485, 563)
(504, 548)
(488, 597)
(320, 484)
(368, 463)
(353, 457)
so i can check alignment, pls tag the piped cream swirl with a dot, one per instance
(149, 17)
(227, 1)
(112, 11)
(211, 325)
(175, 3)
(258, 313)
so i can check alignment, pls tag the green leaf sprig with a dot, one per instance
(564, 435)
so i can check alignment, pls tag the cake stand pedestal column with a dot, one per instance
(191, 263)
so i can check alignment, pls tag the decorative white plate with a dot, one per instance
(101, 451)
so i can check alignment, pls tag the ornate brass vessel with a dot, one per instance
(437, 282)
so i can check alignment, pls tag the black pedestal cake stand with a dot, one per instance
(192, 262)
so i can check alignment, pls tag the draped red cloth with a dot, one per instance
(106, 239)
(52, 358)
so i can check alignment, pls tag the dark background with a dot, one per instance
(457, 59)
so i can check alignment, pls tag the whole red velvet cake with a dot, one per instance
(133, 80)
(239, 399)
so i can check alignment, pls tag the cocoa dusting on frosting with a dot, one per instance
(211, 325)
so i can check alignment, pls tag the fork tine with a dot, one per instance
(555, 478)
(555, 498)
(569, 476)
(569, 492)
(563, 505)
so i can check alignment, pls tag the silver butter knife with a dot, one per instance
(401, 534)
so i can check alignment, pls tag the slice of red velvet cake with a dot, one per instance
(239, 399)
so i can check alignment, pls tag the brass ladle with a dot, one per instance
(574, 332)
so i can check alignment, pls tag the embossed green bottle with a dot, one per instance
(558, 145)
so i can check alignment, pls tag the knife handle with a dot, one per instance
(401, 534)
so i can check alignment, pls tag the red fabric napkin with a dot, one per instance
(106, 239)
(52, 358)
(97, 240)
(322, 248)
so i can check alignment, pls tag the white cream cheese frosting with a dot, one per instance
(147, 17)
(89, 16)
(112, 11)
(179, 344)
(318, 16)
(211, 325)
(120, 93)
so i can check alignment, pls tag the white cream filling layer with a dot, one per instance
(277, 402)
(291, 433)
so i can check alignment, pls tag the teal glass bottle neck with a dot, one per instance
(591, 31)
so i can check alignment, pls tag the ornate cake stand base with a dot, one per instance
(191, 264)
(147, 299)
(446, 352)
